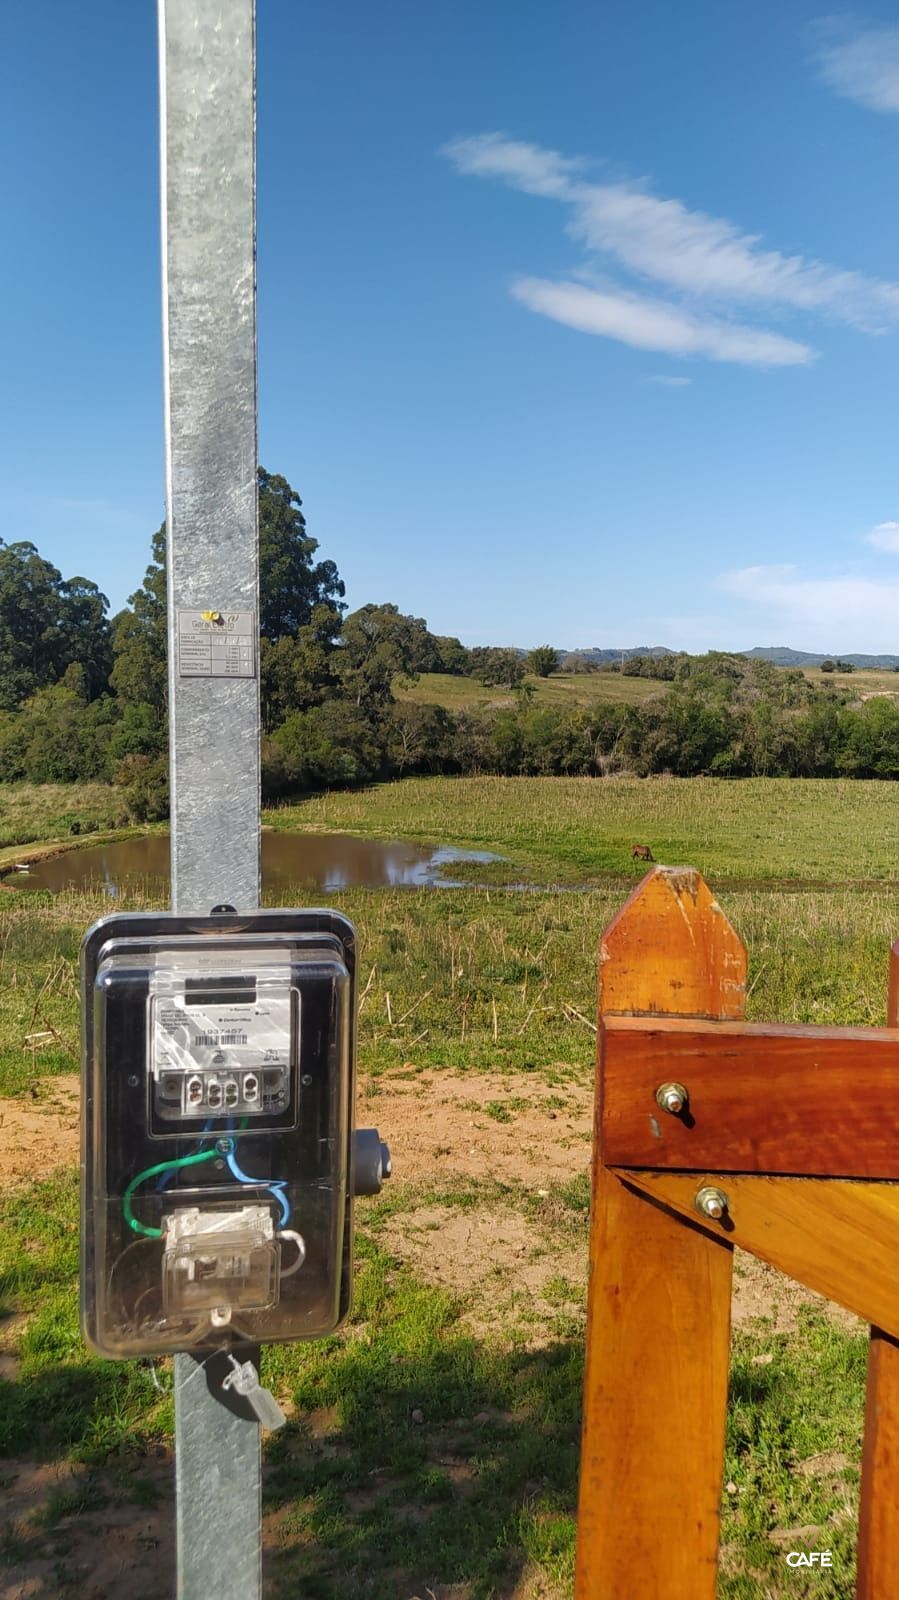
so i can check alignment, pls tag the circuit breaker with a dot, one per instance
(217, 1159)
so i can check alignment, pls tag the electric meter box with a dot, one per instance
(217, 1129)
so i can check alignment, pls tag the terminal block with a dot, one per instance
(219, 1262)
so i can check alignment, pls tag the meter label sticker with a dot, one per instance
(216, 644)
(193, 1034)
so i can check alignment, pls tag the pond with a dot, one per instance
(290, 861)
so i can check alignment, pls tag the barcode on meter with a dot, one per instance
(216, 1040)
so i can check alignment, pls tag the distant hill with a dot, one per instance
(783, 656)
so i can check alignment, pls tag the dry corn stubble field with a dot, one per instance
(432, 1447)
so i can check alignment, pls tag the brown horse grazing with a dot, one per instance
(642, 852)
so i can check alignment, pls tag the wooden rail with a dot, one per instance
(797, 1130)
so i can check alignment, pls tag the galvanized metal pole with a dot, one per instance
(207, 62)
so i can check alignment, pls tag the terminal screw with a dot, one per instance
(711, 1202)
(672, 1097)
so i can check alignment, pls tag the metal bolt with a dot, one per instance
(711, 1202)
(672, 1097)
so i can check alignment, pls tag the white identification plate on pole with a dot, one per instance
(216, 644)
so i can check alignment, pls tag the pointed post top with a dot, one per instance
(671, 951)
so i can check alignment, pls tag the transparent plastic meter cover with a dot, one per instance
(218, 1085)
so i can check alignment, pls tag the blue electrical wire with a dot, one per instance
(277, 1188)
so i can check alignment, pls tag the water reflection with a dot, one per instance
(289, 861)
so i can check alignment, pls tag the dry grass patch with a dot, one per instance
(39, 1133)
(514, 1280)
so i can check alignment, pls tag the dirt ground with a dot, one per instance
(445, 1124)
(105, 1548)
(39, 1133)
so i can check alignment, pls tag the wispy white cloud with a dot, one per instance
(860, 63)
(707, 262)
(666, 381)
(885, 537)
(843, 610)
(649, 324)
(524, 166)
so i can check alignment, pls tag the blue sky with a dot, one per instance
(577, 322)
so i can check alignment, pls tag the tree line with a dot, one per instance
(84, 695)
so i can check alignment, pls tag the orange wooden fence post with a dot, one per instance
(878, 1522)
(878, 1517)
(759, 1120)
(659, 1307)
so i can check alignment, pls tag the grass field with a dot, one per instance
(578, 830)
(857, 683)
(562, 688)
(433, 1446)
(586, 688)
(31, 812)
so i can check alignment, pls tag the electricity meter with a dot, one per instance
(217, 1159)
